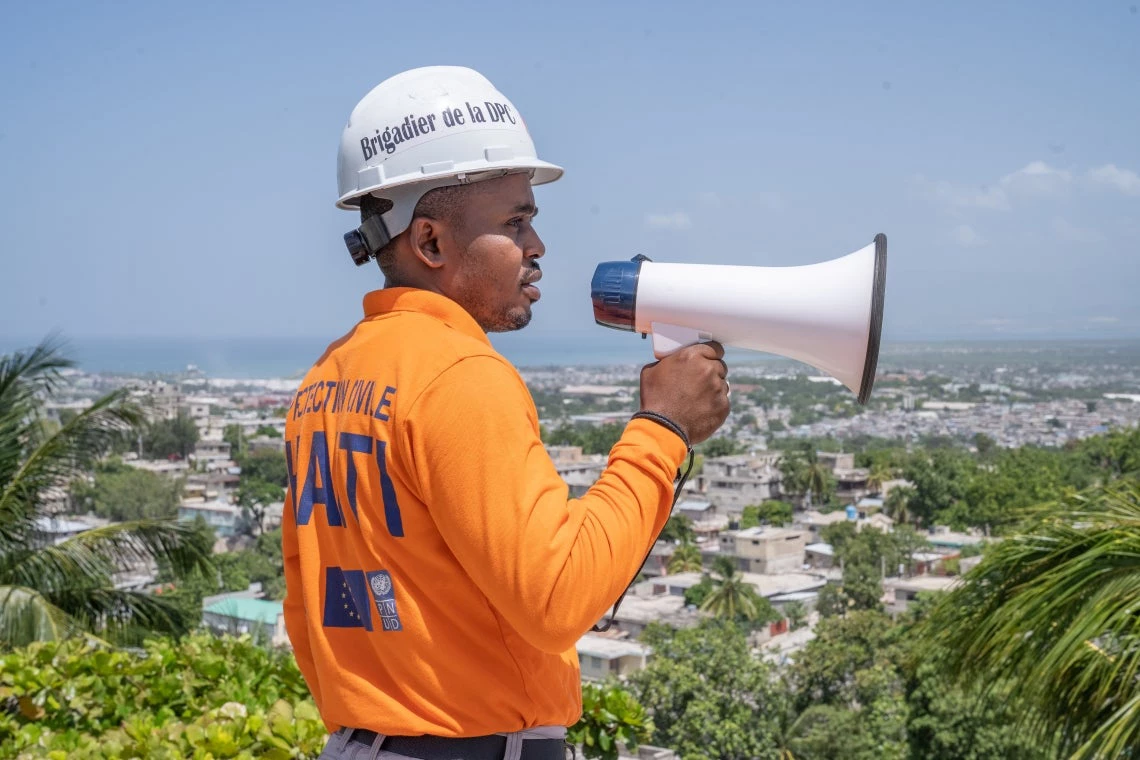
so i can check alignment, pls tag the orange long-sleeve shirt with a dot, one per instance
(437, 575)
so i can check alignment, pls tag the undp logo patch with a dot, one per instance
(381, 584)
(384, 596)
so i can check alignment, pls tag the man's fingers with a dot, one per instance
(711, 349)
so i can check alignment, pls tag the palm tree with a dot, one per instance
(686, 559)
(807, 477)
(51, 591)
(731, 597)
(796, 613)
(792, 471)
(817, 478)
(1055, 610)
(897, 504)
(880, 473)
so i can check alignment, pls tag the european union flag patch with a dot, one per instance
(384, 595)
(346, 599)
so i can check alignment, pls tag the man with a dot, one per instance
(437, 574)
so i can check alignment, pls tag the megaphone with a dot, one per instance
(827, 315)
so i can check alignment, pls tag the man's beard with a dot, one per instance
(514, 319)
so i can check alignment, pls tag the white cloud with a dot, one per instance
(1123, 180)
(1036, 178)
(1104, 320)
(1071, 233)
(965, 236)
(677, 220)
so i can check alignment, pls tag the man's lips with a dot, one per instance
(528, 287)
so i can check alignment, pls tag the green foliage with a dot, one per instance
(949, 723)
(862, 586)
(880, 472)
(696, 595)
(839, 535)
(200, 697)
(797, 614)
(897, 504)
(828, 443)
(54, 591)
(1112, 455)
(824, 732)
(265, 465)
(255, 496)
(1052, 610)
(267, 431)
(732, 598)
(121, 492)
(233, 435)
(773, 512)
(593, 439)
(720, 447)
(709, 697)
(850, 666)
(806, 476)
(991, 492)
(831, 601)
(750, 517)
(871, 451)
(972, 550)
(611, 717)
(906, 542)
(264, 475)
(985, 445)
(168, 438)
(239, 569)
(686, 559)
(678, 528)
(864, 554)
(939, 483)
(230, 571)
(807, 401)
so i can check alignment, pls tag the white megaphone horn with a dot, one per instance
(828, 315)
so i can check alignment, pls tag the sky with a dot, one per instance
(169, 169)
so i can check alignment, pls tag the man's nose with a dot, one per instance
(535, 249)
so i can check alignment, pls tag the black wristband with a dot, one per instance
(664, 421)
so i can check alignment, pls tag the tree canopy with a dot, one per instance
(165, 438)
(52, 591)
(120, 492)
(708, 696)
(1052, 610)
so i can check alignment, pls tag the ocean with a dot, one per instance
(291, 357)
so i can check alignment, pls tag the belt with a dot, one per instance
(465, 748)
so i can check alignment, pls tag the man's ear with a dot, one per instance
(425, 236)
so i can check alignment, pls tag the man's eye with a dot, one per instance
(517, 222)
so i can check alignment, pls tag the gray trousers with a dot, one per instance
(340, 747)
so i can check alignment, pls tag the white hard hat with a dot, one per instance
(427, 128)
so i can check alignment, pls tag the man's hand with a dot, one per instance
(689, 387)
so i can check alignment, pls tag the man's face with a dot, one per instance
(497, 258)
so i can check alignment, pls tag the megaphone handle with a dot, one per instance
(668, 339)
